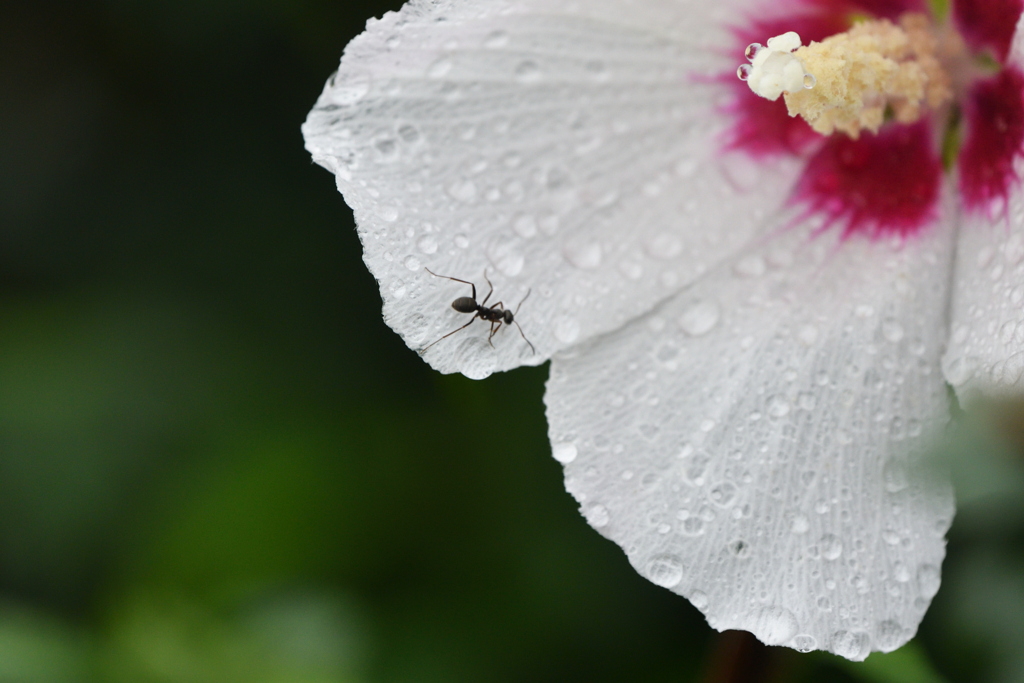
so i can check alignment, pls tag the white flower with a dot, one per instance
(740, 388)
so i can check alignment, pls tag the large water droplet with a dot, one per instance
(700, 318)
(564, 453)
(743, 72)
(831, 547)
(804, 643)
(809, 81)
(440, 68)
(775, 625)
(889, 636)
(427, 244)
(851, 644)
(777, 406)
(528, 71)
(567, 330)
(348, 88)
(892, 330)
(476, 358)
(665, 570)
(699, 599)
(723, 495)
(506, 256)
(751, 52)
(928, 580)
(597, 516)
(585, 255)
(895, 475)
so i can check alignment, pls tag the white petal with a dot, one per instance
(750, 442)
(986, 344)
(564, 147)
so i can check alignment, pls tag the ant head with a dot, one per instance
(464, 304)
(508, 317)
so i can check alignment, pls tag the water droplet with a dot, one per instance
(427, 244)
(900, 572)
(700, 318)
(564, 453)
(775, 625)
(800, 525)
(388, 213)
(740, 549)
(777, 406)
(496, 39)
(888, 636)
(806, 400)
(408, 133)
(665, 570)
(664, 246)
(851, 644)
(699, 599)
(597, 515)
(809, 81)
(804, 643)
(743, 72)
(440, 68)
(892, 330)
(585, 255)
(692, 526)
(476, 358)
(808, 334)
(412, 263)
(895, 475)
(527, 71)
(398, 289)
(928, 580)
(831, 547)
(506, 256)
(567, 330)
(461, 241)
(348, 88)
(751, 266)
(525, 226)
(752, 51)
(463, 190)
(723, 495)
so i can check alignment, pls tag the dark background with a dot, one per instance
(218, 464)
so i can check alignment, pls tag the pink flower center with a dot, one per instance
(889, 183)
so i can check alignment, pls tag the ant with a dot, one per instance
(497, 315)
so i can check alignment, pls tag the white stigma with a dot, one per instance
(774, 69)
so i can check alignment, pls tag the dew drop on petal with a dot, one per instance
(809, 81)
(412, 263)
(743, 72)
(665, 570)
(477, 360)
(564, 453)
(597, 515)
(699, 600)
(888, 636)
(775, 625)
(800, 525)
(700, 318)
(851, 644)
(928, 580)
(892, 330)
(804, 643)
(751, 52)
(461, 241)
(567, 330)
(427, 244)
(777, 406)
(831, 547)
(895, 475)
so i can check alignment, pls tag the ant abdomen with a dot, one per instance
(464, 304)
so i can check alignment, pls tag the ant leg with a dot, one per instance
(524, 338)
(488, 293)
(448, 277)
(424, 349)
(521, 302)
(494, 330)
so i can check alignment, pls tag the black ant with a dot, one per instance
(497, 315)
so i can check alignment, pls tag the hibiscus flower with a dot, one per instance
(751, 319)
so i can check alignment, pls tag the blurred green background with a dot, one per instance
(217, 464)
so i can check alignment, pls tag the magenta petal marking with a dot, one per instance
(988, 23)
(995, 136)
(879, 185)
